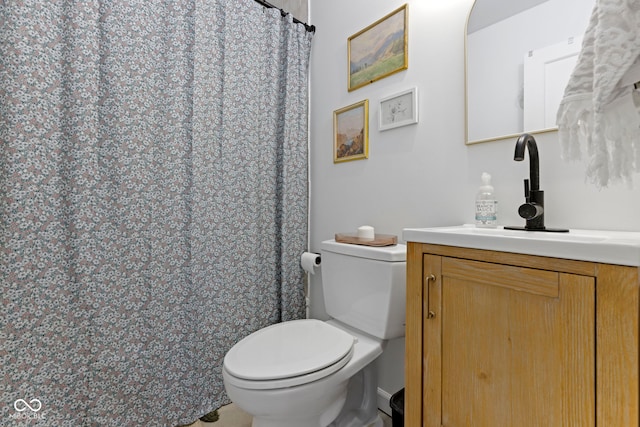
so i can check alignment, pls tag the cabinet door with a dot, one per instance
(516, 346)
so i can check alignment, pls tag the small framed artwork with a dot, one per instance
(351, 132)
(397, 110)
(379, 50)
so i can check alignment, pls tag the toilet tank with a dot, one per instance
(365, 287)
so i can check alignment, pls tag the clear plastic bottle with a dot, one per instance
(486, 204)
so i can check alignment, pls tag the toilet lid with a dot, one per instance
(288, 349)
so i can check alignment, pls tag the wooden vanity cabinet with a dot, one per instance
(503, 339)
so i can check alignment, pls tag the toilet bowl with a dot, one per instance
(312, 373)
(291, 395)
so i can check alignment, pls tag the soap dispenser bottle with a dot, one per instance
(486, 204)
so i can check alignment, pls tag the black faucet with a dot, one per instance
(533, 208)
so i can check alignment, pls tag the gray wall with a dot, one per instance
(298, 8)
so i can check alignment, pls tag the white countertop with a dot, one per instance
(610, 247)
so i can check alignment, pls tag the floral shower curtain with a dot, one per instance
(153, 202)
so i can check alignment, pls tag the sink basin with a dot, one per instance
(611, 247)
(575, 236)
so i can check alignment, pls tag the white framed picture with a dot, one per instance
(399, 109)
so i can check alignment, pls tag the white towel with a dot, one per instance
(598, 116)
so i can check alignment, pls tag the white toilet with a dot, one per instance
(310, 373)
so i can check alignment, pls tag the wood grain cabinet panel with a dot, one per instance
(522, 343)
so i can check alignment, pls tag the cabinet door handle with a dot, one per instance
(430, 278)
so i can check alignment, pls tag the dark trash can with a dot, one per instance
(397, 409)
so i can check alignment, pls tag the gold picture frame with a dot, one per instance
(351, 132)
(379, 50)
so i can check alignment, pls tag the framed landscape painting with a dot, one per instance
(379, 50)
(351, 132)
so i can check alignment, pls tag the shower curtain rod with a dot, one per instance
(310, 28)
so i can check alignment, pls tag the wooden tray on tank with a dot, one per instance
(378, 239)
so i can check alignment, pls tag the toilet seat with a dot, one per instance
(288, 354)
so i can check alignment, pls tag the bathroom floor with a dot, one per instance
(231, 416)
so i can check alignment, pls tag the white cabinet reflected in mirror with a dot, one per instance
(519, 56)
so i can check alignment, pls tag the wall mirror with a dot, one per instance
(518, 57)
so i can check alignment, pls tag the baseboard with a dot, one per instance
(383, 401)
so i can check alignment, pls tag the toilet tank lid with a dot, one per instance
(394, 253)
